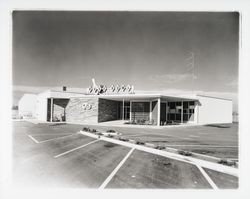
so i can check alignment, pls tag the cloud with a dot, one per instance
(37, 89)
(29, 89)
(171, 78)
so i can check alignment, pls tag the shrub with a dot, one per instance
(111, 131)
(186, 153)
(160, 147)
(226, 162)
(93, 130)
(123, 139)
(139, 143)
(133, 122)
(86, 129)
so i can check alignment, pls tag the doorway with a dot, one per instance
(126, 110)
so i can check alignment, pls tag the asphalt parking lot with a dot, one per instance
(56, 156)
(219, 141)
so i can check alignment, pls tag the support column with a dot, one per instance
(122, 109)
(196, 112)
(159, 112)
(130, 111)
(181, 111)
(150, 111)
(51, 109)
(166, 111)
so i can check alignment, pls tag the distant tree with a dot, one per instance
(14, 107)
(235, 113)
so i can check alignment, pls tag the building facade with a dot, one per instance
(151, 109)
(27, 106)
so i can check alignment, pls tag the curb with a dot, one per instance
(191, 160)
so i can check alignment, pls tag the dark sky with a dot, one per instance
(146, 49)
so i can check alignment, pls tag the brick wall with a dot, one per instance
(107, 110)
(77, 112)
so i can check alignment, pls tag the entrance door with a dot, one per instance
(126, 111)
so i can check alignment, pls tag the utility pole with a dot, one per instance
(190, 67)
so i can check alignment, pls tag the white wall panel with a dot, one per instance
(214, 110)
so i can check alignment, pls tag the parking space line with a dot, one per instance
(206, 146)
(57, 138)
(135, 135)
(53, 133)
(33, 139)
(210, 181)
(187, 138)
(36, 141)
(104, 184)
(66, 152)
(195, 136)
(191, 160)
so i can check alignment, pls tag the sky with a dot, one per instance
(149, 50)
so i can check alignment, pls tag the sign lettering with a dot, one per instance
(86, 106)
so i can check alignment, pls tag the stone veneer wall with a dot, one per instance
(107, 110)
(75, 111)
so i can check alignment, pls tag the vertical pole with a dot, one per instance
(150, 111)
(166, 111)
(122, 109)
(130, 114)
(181, 111)
(51, 109)
(159, 112)
(196, 112)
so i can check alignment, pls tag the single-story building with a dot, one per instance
(27, 106)
(154, 109)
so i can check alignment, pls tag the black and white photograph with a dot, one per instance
(126, 100)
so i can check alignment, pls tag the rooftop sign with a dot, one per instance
(113, 89)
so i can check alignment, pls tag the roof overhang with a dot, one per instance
(145, 97)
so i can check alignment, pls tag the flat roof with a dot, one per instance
(119, 97)
(214, 97)
(134, 96)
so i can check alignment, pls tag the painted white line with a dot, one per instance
(64, 153)
(206, 146)
(54, 134)
(190, 160)
(195, 136)
(33, 139)
(187, 138)
(30, 136)
(210, 181)
(57, 138)
(136, 135)
(104, 184)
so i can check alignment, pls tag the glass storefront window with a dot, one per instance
(175, 111)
